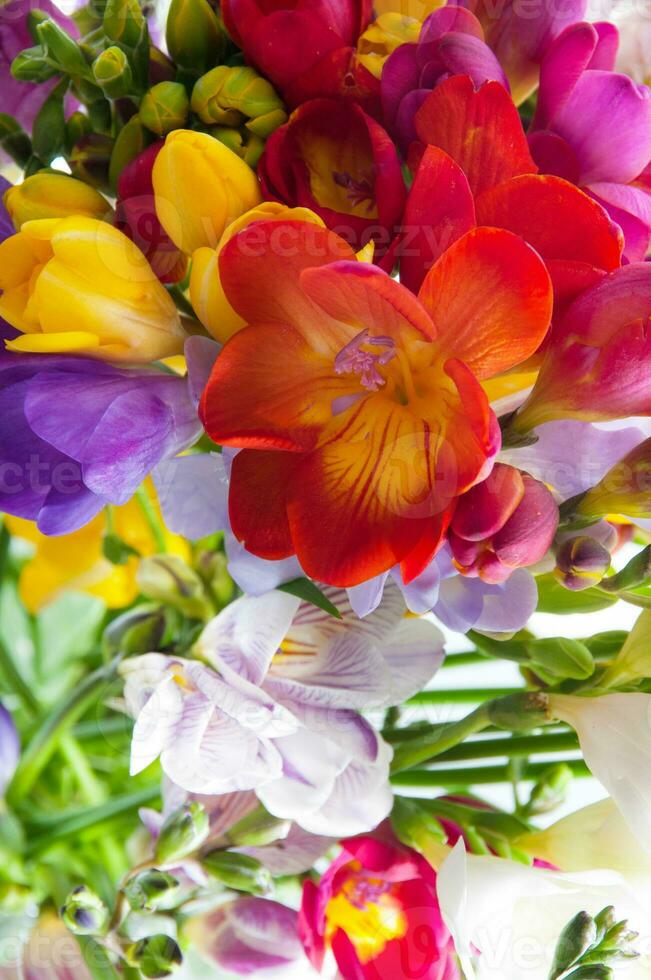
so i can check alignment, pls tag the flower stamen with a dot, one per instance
(352, 359)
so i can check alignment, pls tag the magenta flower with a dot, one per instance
(593, 127)
(451, 43)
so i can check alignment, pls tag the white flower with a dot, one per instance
(511, 915)
(273, 706)
(615, 737)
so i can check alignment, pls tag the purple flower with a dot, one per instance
(22, 100)
(593, 127)
(6, 224)
(9, 747)
(451, 43)
(78, 434)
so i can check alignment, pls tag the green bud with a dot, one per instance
(130, 142)
(112, 72)
(165, 107)
(89, 160)
(152, 891)
(84, 913)
(195, 38)
(34, 18)
(597, 971)
(124, 23)
(247, 146)
(257, 829)
(558, 658)
(578, 936)
(139, 630)
(227, 96)
(31, 65)
(520, 712)
(238, 871)
(212, 566)
(155, 956)
(14, 140)
(99, 114)
(168, 579)
(264, 126)
(61, 49)
(49, 129)
(117, 551)
(605, 920)
(78, 125)
(550, 790)
(413, 824)
(183, 832)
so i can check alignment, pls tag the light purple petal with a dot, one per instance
(468, 603)
(630, 207)
(365, 598)
(360, 800)
(9, 747)
(607, 122)
(193, 494)
(310, 765)
(421, 594)
(413, 655)
(292, 855)
(267, 926)
(257, 575)
(200, 354)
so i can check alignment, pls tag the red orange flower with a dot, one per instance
(357, 406)
(477, 169)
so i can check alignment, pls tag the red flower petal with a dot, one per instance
(258, 501)
(480, 129)
(490, 298)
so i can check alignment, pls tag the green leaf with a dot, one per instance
(304, 588)
(554, 598)
(632, 576)
(49, 130)
(68, 629)
(513, 649)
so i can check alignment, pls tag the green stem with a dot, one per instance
(442, 739)
(461, 695)
(515, 746)
(475, 775)
(17, 683)
(152, 519)
(182, 302)
(45, 741)
(465, 659)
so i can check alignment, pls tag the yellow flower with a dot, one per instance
(206, 293)
(53, 196)
(383, 36)
(76, 561)
(79, 285)
(200, 187)
(419, 9)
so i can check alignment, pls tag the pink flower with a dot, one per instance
(376, 908)
(593, 127)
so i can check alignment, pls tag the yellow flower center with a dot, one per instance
(368, 913)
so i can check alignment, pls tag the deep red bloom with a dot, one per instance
(335, 159)
(376, 908)
(135, 215)
(491, 179)
(305, 47)
(507, 521)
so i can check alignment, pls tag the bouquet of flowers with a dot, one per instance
(325, 388)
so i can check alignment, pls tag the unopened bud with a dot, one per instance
(258, 829)
(195, 37)
(31, 65)
(577, 936)
(129, 143)
(183, 832)
(229, 95)
(238, 871)
(61, 49)
(248, 146)
(139, 630)
(84, 913)
(550, 790)
(165, 107)
(78, 125)
(124, 23)
(152, 891)
(520, 712)
(168, 579)
(112, 72)
(414, 825)
(581, 562)
(155, 956)
(558, 658)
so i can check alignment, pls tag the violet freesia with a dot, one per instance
(593, 127)
(9, 747)
(272, 706)
(80, 433)
(451, 43)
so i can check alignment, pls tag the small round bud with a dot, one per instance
(238, 871)
(165, 107)
(581, 562)
(152, 891)
(112, 72)
(195, 37)
(155, 956)
(84, 913)
(183, 832)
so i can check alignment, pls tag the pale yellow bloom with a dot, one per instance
(200, 187)
(78, 285)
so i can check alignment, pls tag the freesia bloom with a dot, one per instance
(81, 434)
(593, 127)
(624, 489)
(508, 521)
(633, 662)
(387, 32)
(77, 285)
(200, 187)
(595, 367)
(615, 736)
(492, 180)
(206, 291)
(77, 561)
(136, 217)
(50, 195)
(513, 938)
(280, 716)
(376, 909)
(320, 37)
(520, 36)
(252, 936)
(354, 401)
(9, 747)
(336, 160)
(450, 43)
